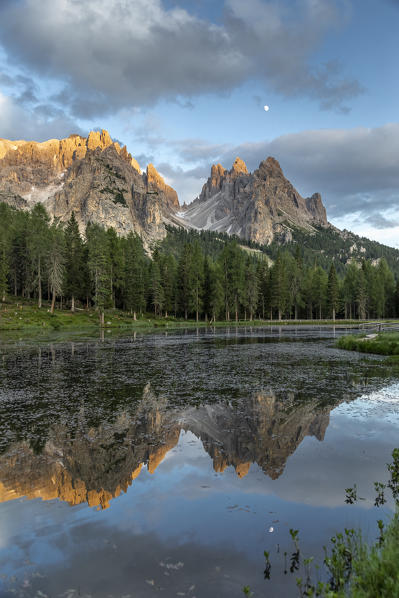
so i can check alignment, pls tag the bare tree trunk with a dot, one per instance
(72, 303)
(52, 303)
(102, 323)
(39, 278)
(134, 316)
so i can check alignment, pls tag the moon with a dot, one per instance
(266, 108)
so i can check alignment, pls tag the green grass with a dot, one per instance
(385, 343)
(17, 315)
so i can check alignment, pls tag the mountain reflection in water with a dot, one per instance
(95, 465)
(256, 429)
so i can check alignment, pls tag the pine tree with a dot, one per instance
(38, 243)
(75, 266)
(231, 261)
(319, 289)
(168, 267)
(262, 272)
(19, 259)
(117, 267)
(197, 276)
(216, 295)
(295, 283)
(135, 274)
(279, 286)
(157, 293)
(332, 291)
(55, 262)
(4, 250)
(361, 295)
(185, 280)
(349, 289)
(251, 289)
(100, 268)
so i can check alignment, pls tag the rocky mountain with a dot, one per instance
(101, 182)
(255, 206)
(93, 177)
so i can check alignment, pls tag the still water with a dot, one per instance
(166, 464)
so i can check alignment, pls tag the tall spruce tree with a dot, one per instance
(279, 286)
(75, 266)
(117, 268)
(38, 245)
(5, 247)
(135, 275)
(100, 268)
(55, 262)
(156, 290)
(251, 288)
(197, 276)
(185, 281)
(332, 291)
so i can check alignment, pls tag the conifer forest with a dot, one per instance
(190, 274)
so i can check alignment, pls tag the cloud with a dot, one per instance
(40, 122)
(110, 55)
(380, 222)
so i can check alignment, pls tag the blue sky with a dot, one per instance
(183, 84)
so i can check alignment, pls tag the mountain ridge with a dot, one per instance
(92, 176)
(253, 205)
(99, 181)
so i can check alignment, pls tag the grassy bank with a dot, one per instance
(384, 343)
(15, 315)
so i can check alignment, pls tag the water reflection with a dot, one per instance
(221, 435)
(95, 464)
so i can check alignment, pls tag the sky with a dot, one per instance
(183, 83)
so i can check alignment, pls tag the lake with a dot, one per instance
(165, 464)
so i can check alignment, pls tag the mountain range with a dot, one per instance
(99, 181)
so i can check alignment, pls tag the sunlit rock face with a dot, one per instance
(93, 177)
(101, 182)
(95, 465)
(256, 206)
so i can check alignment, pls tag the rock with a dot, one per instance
(93, 177)
(257, 206)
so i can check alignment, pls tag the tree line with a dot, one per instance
(198, 277)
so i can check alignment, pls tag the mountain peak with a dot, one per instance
(217, 170)
(239, 167)
(271, 165)
(99, 139)
(253, 206)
